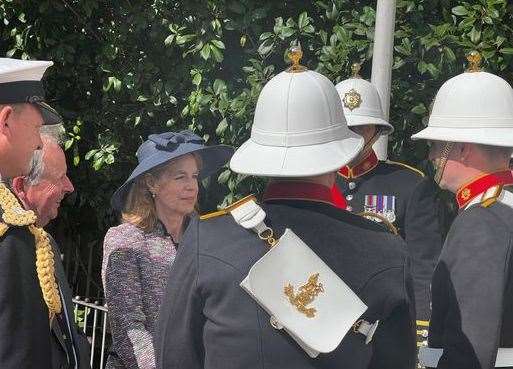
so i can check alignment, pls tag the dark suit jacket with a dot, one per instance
(208, 321)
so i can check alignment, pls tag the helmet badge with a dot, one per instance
(352, 99)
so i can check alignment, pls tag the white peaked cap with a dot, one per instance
(20, 82)
(298, 129)
(361, 104)
(474, 107)
(14, 70)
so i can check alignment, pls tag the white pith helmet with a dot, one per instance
(361, 102)
(299, 128)
(474, 107)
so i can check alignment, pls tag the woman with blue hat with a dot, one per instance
(155, 203)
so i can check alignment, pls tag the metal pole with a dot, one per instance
(382, 61)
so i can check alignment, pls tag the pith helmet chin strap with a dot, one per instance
(368, 146)
(441, 162)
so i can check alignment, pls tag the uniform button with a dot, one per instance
(352, 185)
(349, 208)
(349, 197)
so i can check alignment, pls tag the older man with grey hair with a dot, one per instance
(42, 191)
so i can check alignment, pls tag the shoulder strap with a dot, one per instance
(421, 173)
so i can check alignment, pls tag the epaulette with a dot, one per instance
(490, 196)
(421, 173)
(228, 209)
(389, 226)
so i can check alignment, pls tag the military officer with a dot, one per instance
(31, 319)
(471, 134)
(395, 191)
(300, 139)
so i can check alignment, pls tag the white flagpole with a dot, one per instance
(382, 61)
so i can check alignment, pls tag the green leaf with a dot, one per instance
(419, 109)
(169, 40)
(221, 127)
(266, 47)
(68, 144)
(475, 35)
(205, 52)
(303, 20)
(223, 177)
(507, 50)
(218, 43)
(219, 86)
(218, 55)
(242, 40)
(459, 10)
(196, 80)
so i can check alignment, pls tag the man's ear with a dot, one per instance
(18, 187)
(5, 113)
(465, 151)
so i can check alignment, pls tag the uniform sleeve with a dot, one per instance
(424, 241)
(131, 341)
(24, 326)
(393, 345)
(468, 289)
(179, 339)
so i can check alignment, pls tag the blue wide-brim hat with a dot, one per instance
(161, 148)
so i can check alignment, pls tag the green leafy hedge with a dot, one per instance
(125, 69)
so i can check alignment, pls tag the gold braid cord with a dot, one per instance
(14, 214)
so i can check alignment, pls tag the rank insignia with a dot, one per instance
(381, 204)
(352, 99)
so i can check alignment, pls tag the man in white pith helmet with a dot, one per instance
(470, 131)
(316, 286)
(396, 191)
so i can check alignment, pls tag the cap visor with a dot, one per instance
(49, 114)
(299, 161)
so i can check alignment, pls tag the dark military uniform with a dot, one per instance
(408, 199)
(208, 321)
(472, 287)
(28, 340)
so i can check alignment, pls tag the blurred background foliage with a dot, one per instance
(129, 68)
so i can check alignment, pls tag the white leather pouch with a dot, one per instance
(301, 293)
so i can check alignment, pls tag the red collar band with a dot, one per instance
(367, 164)
(299, 190)
(480, 184)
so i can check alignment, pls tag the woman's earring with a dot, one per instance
(152, 194)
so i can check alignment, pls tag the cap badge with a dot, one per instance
(295, 54)
(352, 99)
(306, 294)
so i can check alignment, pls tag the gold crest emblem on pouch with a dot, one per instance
(306, 294)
